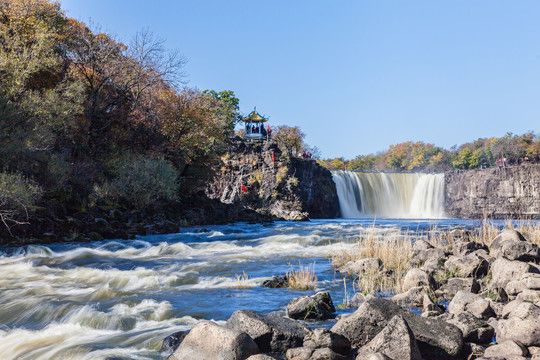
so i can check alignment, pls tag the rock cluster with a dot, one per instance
(493, 312)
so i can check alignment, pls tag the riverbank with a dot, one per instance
(467, 294)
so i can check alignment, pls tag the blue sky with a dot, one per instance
(355, 76)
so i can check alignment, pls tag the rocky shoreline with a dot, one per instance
(462, 300)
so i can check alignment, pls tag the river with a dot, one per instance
(118, 299)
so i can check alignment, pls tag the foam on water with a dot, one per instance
(121, 298)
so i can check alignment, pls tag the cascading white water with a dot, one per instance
(390, 195)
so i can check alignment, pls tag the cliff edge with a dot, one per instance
(508, 192)
(259, 177)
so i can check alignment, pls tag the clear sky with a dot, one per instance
(355, 76)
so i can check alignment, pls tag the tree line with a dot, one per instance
(419, 156)
(88, 122)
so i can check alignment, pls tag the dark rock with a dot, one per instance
(520, 251)
(456, 284)
(506, 235)
(461, 248)
(276, 282)
(430, 307)
(271, 333)
(318, 306)
(474, 329)
(324, 338)
(396, 341)
(436, 338)
(171, 342)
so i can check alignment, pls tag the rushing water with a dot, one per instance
(390, 195)
(121, 298)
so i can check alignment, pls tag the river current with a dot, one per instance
(117, 299)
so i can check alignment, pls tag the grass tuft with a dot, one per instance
(303, 278)
(242, 281)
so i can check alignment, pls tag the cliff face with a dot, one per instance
(512, 192)
(257, 176)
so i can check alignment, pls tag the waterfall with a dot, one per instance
(390, 195)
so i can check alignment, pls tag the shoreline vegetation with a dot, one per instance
(101, 138)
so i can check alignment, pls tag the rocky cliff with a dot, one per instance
(512, 192)
(259, 177)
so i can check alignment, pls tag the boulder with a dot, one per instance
(430, 267)
(526, 332)
(396, 341)
(305, 353)
(453, 285)
(466, 266)
(474, 329)
(429, 254)
(318, 307)
(171, 342)
(422, 245)
(357, 300)
(529, 295)
(506, 348)
(430, 307)
(414, 296)
(503, 271)
(261, 357)
(207, 340)
(369, 265)
(277, 282)
(436, 338)
(519, 251)
(461, 248)
(417, 277)
(324, 338)
(271, 333)
(475, 304)
(527, 281)
(522, 309)
(378, 356)
(506, 235)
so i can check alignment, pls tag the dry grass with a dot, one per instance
(394, 249)
(488, 230)
(304, 278)
(242, 281)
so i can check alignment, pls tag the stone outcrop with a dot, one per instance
(498, 193)
(257, 176)
(209, 341)
(317, 307)
(271, 333)
(435, 338)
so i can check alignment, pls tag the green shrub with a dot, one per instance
(139, 181)
(17, 194)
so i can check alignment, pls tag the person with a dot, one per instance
(499, 162)
(269, 132)
(303, 154)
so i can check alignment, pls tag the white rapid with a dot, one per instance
(390, 195)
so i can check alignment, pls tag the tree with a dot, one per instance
(289, 139)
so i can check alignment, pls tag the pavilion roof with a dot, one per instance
(255, 116)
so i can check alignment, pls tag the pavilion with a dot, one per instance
(255, 128)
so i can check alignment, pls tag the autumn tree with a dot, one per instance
(289, 138)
